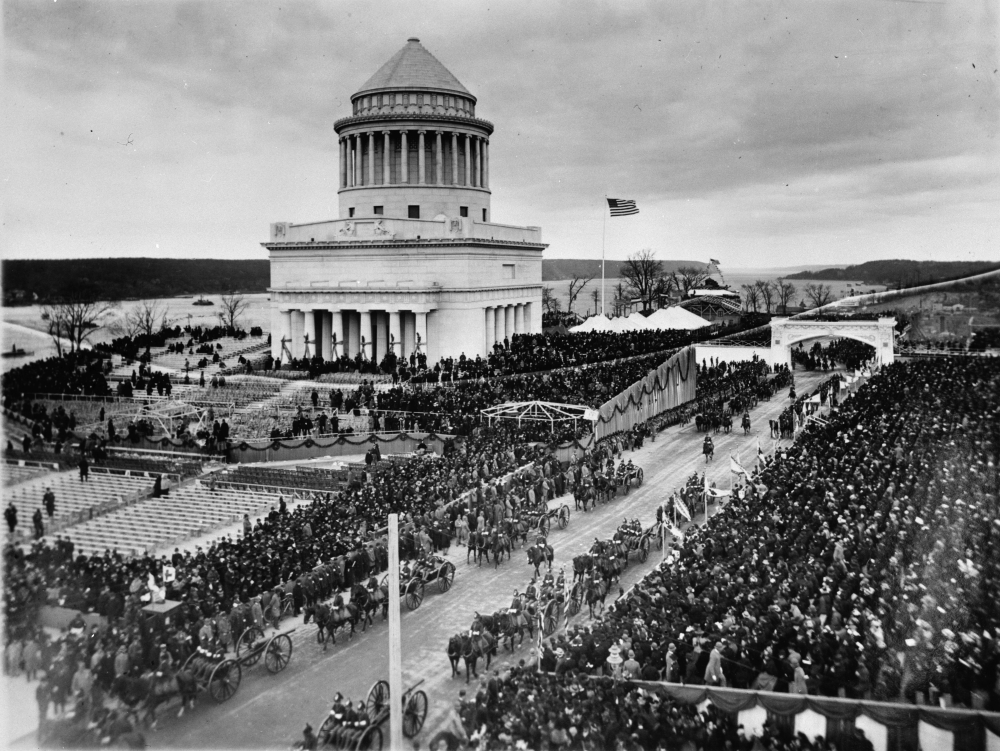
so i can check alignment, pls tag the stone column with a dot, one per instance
(529, 323)
(508, 324)
(454, 158)
(479, 163)
(353, 332)
(296, 333)
(309, 333)
(337, 334)
(366, 334)
(386, 161)
(519, 318)
(371, 158)
(438, 159)
(468, 160)
(325, 350)
(350, 161)
(404, 162)
(396, 333)
(282, 336)
(421, 167)
(421, 332)
(381, 335)
(498, 325)
(490, 332)
(343, 162)
(486, 164)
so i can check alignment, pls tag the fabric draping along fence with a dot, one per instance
(670, 385)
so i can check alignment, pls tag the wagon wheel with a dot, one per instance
(643, 549)
(371, 739)
(277, 653)
(446, 575)
(323, 734)
(225, 679)
(563, 516)
(184, 665)
(544, 523)
(245, 646)
(286, 605)
(549, 622)
(414, 713)
(378, 699)
(414, 594)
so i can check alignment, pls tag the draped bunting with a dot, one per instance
(670, 385)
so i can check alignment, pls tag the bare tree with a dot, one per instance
(550, 303)
(819, 294)
(767, 291)
(75, 321)
(751, 298)
(785, 292)
(576, 285)
(233, 308)
(146, 319)
(664, 286)
(643, 273)
(687, 278)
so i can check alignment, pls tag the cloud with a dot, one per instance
(732, 124)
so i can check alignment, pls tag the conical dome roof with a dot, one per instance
(413, 67)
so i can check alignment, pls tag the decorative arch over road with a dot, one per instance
(790, 331)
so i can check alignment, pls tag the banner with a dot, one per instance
(718, 492)
(682, 507)
(735, 466)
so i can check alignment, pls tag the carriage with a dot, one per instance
(370, 737)
(220, 674)
(630, 479)
(435, 569)
(640, 543)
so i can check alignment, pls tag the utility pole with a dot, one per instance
(395, 653)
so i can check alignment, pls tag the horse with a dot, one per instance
(458, 649)
(727, 423)
(595, 590)
(329, 619)
(746, 423)
(510, 624)
(367, 606)
(539, 554)
(582, 565)
(153, 688)
(478, 547)
(379, 594)
(499, 544)
(708, 449)
(476, 644)
(518, 530)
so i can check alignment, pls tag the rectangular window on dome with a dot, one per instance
(379, 100)
(368, 102)
(463, 210)
(377, 210)
(350, 211)
(413, 212)
(484, 215)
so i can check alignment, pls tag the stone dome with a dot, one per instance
(413, 68)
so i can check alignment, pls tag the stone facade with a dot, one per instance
(414, 263)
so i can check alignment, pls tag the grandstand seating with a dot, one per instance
(186, 512)
(155, 465)
(299, 478)
(75, 500)
(14, 474)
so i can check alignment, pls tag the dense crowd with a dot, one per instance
(560, 709)
(874, 535)
(850, 352)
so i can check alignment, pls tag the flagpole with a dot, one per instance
(604, 230)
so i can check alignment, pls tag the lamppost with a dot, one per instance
(615, 661)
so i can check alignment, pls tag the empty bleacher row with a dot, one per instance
(187, 511)
(15, 474)
(75, 500)
(298, 478)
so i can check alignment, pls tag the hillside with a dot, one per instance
(556, 269)
(899, 273)
(125, 278)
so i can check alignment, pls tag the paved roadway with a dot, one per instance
(270, 711)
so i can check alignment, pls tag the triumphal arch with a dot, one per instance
(790, 331)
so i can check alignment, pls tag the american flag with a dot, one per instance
(622, 206)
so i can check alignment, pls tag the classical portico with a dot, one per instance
(415, 262)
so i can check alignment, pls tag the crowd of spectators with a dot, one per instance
(850, 352)
(875, 535)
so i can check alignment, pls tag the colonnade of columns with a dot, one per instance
(462, 159)
(503, 321)
(334, 333)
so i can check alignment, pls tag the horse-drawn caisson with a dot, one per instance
(414, 578)
(628, 476)
(220, 674)
(632, 538)
(360, 729)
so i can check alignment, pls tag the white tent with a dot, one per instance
(638, 322)
(676, 318)
(599, 322)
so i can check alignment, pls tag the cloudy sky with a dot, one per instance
(761, 134)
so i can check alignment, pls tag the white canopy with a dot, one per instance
(676, 318)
